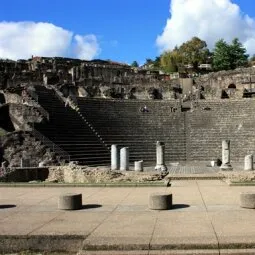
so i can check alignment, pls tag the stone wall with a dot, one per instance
(23, 116)
(21, 145)
(26, 175)
(216, 83)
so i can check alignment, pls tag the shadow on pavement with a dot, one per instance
(91, 206)
(7, 206)
(179, 206)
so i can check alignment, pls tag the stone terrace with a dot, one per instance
(121, 122)
(202, 221)
(67, 129)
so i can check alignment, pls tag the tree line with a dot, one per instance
(193, 53)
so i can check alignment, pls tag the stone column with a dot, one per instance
(115, 157)
(226, 155)
(124, 159)
(248, 162)
(139, 166)
(160, 153)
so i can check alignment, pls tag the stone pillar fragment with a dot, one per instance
(226, 156)
(115, 157)
(160, 154)
(124, 159)
(248, 162)
(139, 166)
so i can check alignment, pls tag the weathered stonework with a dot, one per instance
(228, 84)
(21, 145)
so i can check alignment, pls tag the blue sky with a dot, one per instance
(124, 30)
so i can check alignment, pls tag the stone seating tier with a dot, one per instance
(88, 134)
(66, 126)
(122, 123)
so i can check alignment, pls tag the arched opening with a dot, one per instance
(157, 94)
(224, 94)
(232, 86)
(2, 99)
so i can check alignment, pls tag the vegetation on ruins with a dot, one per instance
(134, 64)
(229, 56)
(193, 53)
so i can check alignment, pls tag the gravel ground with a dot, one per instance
(238, 176)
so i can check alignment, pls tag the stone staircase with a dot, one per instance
(215, 121)
(68, 131)
(121, 122)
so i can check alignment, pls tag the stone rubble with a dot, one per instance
(84, 174)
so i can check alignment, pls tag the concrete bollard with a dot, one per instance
(247, 200)
(226, 156)
(248, 162)
(115, 157)
(139, 166)
(160, 154)
(160, 201)
(70, 201)
(124, 159)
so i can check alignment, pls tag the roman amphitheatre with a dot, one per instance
(95, 126)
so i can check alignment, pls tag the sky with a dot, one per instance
(122, 31)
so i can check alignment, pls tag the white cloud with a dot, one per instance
(87, 47)
(23, 39)
(210, 20)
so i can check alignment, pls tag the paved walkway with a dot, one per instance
(206, 215)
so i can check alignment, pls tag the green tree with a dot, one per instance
(221, 56)
(194, 52)
(134, 64)
(157, 62)
(238, 54)
(229, 56)
(170, 60)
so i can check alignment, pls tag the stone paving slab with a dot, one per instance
(205, 215)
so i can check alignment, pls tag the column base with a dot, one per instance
(161, 168)
(226, 167)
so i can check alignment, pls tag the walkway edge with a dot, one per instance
(89, 185)
(75, 243)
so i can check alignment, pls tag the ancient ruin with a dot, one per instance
(59, 110)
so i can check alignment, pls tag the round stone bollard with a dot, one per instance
(70, 201)
(160, 201)
(247, 200)
(139, 166)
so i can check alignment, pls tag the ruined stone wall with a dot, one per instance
(214, 83)
(23, 116)
(21, 145)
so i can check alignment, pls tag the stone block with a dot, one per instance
(248, 162)
(70, 201)
(139, 166)
(247, 200)
(160, 201)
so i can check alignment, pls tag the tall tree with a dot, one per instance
(239, 57)
(221, 56)
(229, 56)
(194, 52)
(134, 64)
(170, 61)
